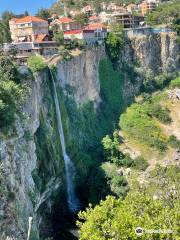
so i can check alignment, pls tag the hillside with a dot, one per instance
(143, 170)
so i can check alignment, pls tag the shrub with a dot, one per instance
(175, 83)
(11, 95)
(36, 63)
(140, 163)
(138, 125)
(159, 112)
(174, 142)
(127, 161)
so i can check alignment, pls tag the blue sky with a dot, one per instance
(19, 6)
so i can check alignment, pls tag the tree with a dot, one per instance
(176, 25)
(165, 13)
(118, 219)
(5, 35)
(26, 13)
(12, 93)
(43, 13)
(115, 41)
(81, 18)
(59, 37)
(36, 63)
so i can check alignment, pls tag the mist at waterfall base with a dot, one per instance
(70, 172)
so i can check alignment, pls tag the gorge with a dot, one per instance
(70, 110)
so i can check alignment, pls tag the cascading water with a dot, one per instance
(73, 201)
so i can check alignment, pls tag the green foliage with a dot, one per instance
(152, 83)
(8, 69)
(175, 83)
(156, 110)
(36, 63)
(115, 41)
(81, 18)
(140, 163)
(43, 13)
(119, 219)
(176, 25)
(165, 13)
(12, 93)
(138, 125)
(117, 182)
(114, 154)
(59, 37)
(111, 82)
(151, 207)
(5, 35)
(174, 142)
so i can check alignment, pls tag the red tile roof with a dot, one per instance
(93, 18)
(94, 26)
(65, 20)
(79, 31)
(73, 32)
(28, 19)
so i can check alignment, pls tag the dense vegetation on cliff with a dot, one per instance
(154, 208)
(150, 203)
(12, 92)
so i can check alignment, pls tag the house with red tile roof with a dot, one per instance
(27, 29)
(86, 35)
(90, 34)
(66, 23)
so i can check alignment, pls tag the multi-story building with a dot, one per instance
(88, 10)
(147, 6)
(65, 24)
(27, 29)
(127, 20)
(132, 8)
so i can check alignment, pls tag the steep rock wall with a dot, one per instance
(18, 149)
(81, 73)
(18, 160)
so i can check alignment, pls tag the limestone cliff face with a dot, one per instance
(81, 73)
(149, 55)
(17, 161)
(18, 149)
(157, 52)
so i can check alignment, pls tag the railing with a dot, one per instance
(146, 31)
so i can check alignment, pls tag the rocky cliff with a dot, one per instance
(31, 166)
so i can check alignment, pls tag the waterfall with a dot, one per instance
(73, 201)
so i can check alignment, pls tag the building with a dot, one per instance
(147, 6)
(74, 12)
(94, 19)
(112, 7)
(127, 20)
(25, 49)
(132, 8)
(89, 35)
(99, 29)
(105, 17)
(88, 10)
(66, 24)
(82, 34)
(27, 29)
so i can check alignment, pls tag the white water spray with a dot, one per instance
(73, 201)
